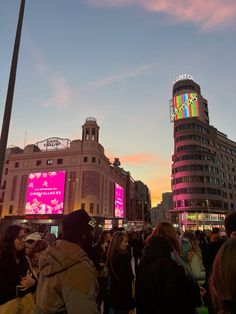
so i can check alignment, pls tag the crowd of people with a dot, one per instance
(159, 271)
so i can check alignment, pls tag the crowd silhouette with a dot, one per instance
(88, 271)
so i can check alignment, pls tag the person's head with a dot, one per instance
(230, 223)
(36, 250)
(104, 239)
(167, 231)
(202, 238)
(30, 239)
(26, 228)
(78, 227)
(197, 232)
(119, 242)
(13, 240)
(186, 250)
(191, 236)
(222, 283)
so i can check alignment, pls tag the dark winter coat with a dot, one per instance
(11, 273)
(162, 287)
(120, 296)
(208, 259)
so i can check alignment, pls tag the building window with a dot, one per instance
(10, 209)
(93, 159)
(97, 208)
(91, 208)
(83, 206)
(0, 210)
(49, 162)
(13, 188)
(4, 185)
(93, 134)
(7, 161)
(85, 159)
(16, 164)
(22, 194)
(6, 171)
(99, 161)
(2, 198)
(59, 161)
(38, 162)
(87, 134)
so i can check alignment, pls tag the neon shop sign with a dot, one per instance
(183, 77)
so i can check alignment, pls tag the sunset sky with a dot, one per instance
(116, 60)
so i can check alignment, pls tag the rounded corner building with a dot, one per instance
(203, 163)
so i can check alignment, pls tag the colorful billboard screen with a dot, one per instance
(119, 201)
(45, 193)
(184, 106)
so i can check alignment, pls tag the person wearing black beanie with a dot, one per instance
(78, 227)
(67, 280)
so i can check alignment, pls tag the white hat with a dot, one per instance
(34, 236)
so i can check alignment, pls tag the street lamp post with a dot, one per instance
(10, 91)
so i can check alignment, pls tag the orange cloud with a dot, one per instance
(139, 158)
(153, 170)
(142, 158)
(207, 14)
(157, 186)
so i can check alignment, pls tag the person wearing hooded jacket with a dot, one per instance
(162, 286)
(67, 281)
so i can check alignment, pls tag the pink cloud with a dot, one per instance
(60, 91)
(207, 14)
(118, 77)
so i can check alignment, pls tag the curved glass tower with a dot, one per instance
(200, 181)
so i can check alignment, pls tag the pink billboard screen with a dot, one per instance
(45, 193)
(119, 201)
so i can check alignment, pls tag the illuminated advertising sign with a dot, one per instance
(184, 106)
(183, 77)
(45, 193)
(119, 201)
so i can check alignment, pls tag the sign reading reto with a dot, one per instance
(183, 77)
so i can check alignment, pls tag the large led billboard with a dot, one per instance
(184, 106)
(119, 201)
(45, 193)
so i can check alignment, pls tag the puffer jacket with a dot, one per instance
(67, 281)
